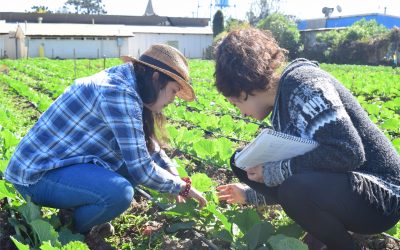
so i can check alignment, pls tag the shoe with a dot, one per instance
(66, 216)
(313, 243)
(103, 230)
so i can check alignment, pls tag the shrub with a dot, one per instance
(285, 32)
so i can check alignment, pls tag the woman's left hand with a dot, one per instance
(195, 194)
(256, 173)
(180, 199)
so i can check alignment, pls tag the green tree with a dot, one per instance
(218, 23)
(364, 30)
(350, 45)
(40, 9)
(87, 6)
(285, 32)
(330, 38)
(232, 24)
(260, 9)
(394, 37)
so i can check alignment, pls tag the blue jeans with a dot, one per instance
(95, 194)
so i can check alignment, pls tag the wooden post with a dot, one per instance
(74, 64)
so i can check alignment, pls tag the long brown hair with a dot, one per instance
(153, 123)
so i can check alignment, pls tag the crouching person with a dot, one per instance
(94, 144)
(349, 183)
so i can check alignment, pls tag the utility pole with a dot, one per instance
(198, 7)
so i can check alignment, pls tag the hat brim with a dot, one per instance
(186, 91)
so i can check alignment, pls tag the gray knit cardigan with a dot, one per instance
(312, 104)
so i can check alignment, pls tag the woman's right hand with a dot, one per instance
(232, 193)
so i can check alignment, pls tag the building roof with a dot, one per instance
(347, 16)
(344, 21)
(21, 17)
(187, 21)
(99, 30)
(171, 30)
(322, 29)
(6, 28)
(45, 29)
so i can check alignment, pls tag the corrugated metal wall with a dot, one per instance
(2, 45)
(191, 45)
(68, 48)
(8, 44)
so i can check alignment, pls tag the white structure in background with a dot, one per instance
(66, 41)
(7, 40)
(96, 36)
(73, 40)
(191, 41)
(4, 34)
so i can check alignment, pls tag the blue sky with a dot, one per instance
(204, 8)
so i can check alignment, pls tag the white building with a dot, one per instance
(3, 36)
(191, 41)
(96, 36)
(55, 40)
(7, 40)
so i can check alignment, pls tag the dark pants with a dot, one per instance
(325, 206)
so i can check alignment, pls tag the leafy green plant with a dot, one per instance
(37, 231)
(206, 132)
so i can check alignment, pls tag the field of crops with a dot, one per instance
(203, 134)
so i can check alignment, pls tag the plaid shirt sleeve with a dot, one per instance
(122, 111)
(162, 159)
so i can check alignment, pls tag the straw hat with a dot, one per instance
(171, 62)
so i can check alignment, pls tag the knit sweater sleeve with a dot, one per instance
(317, 112)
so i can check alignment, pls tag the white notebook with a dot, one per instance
(271, 146)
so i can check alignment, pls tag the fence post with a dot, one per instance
(74, 64)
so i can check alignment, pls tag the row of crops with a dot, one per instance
(203, 134)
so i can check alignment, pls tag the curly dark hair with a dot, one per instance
(247, 60)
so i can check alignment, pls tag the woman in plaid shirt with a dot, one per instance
(97, 140)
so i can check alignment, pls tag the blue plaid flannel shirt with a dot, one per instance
(98, 119)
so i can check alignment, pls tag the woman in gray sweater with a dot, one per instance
(349, 183)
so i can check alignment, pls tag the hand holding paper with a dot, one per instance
(272, 146)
